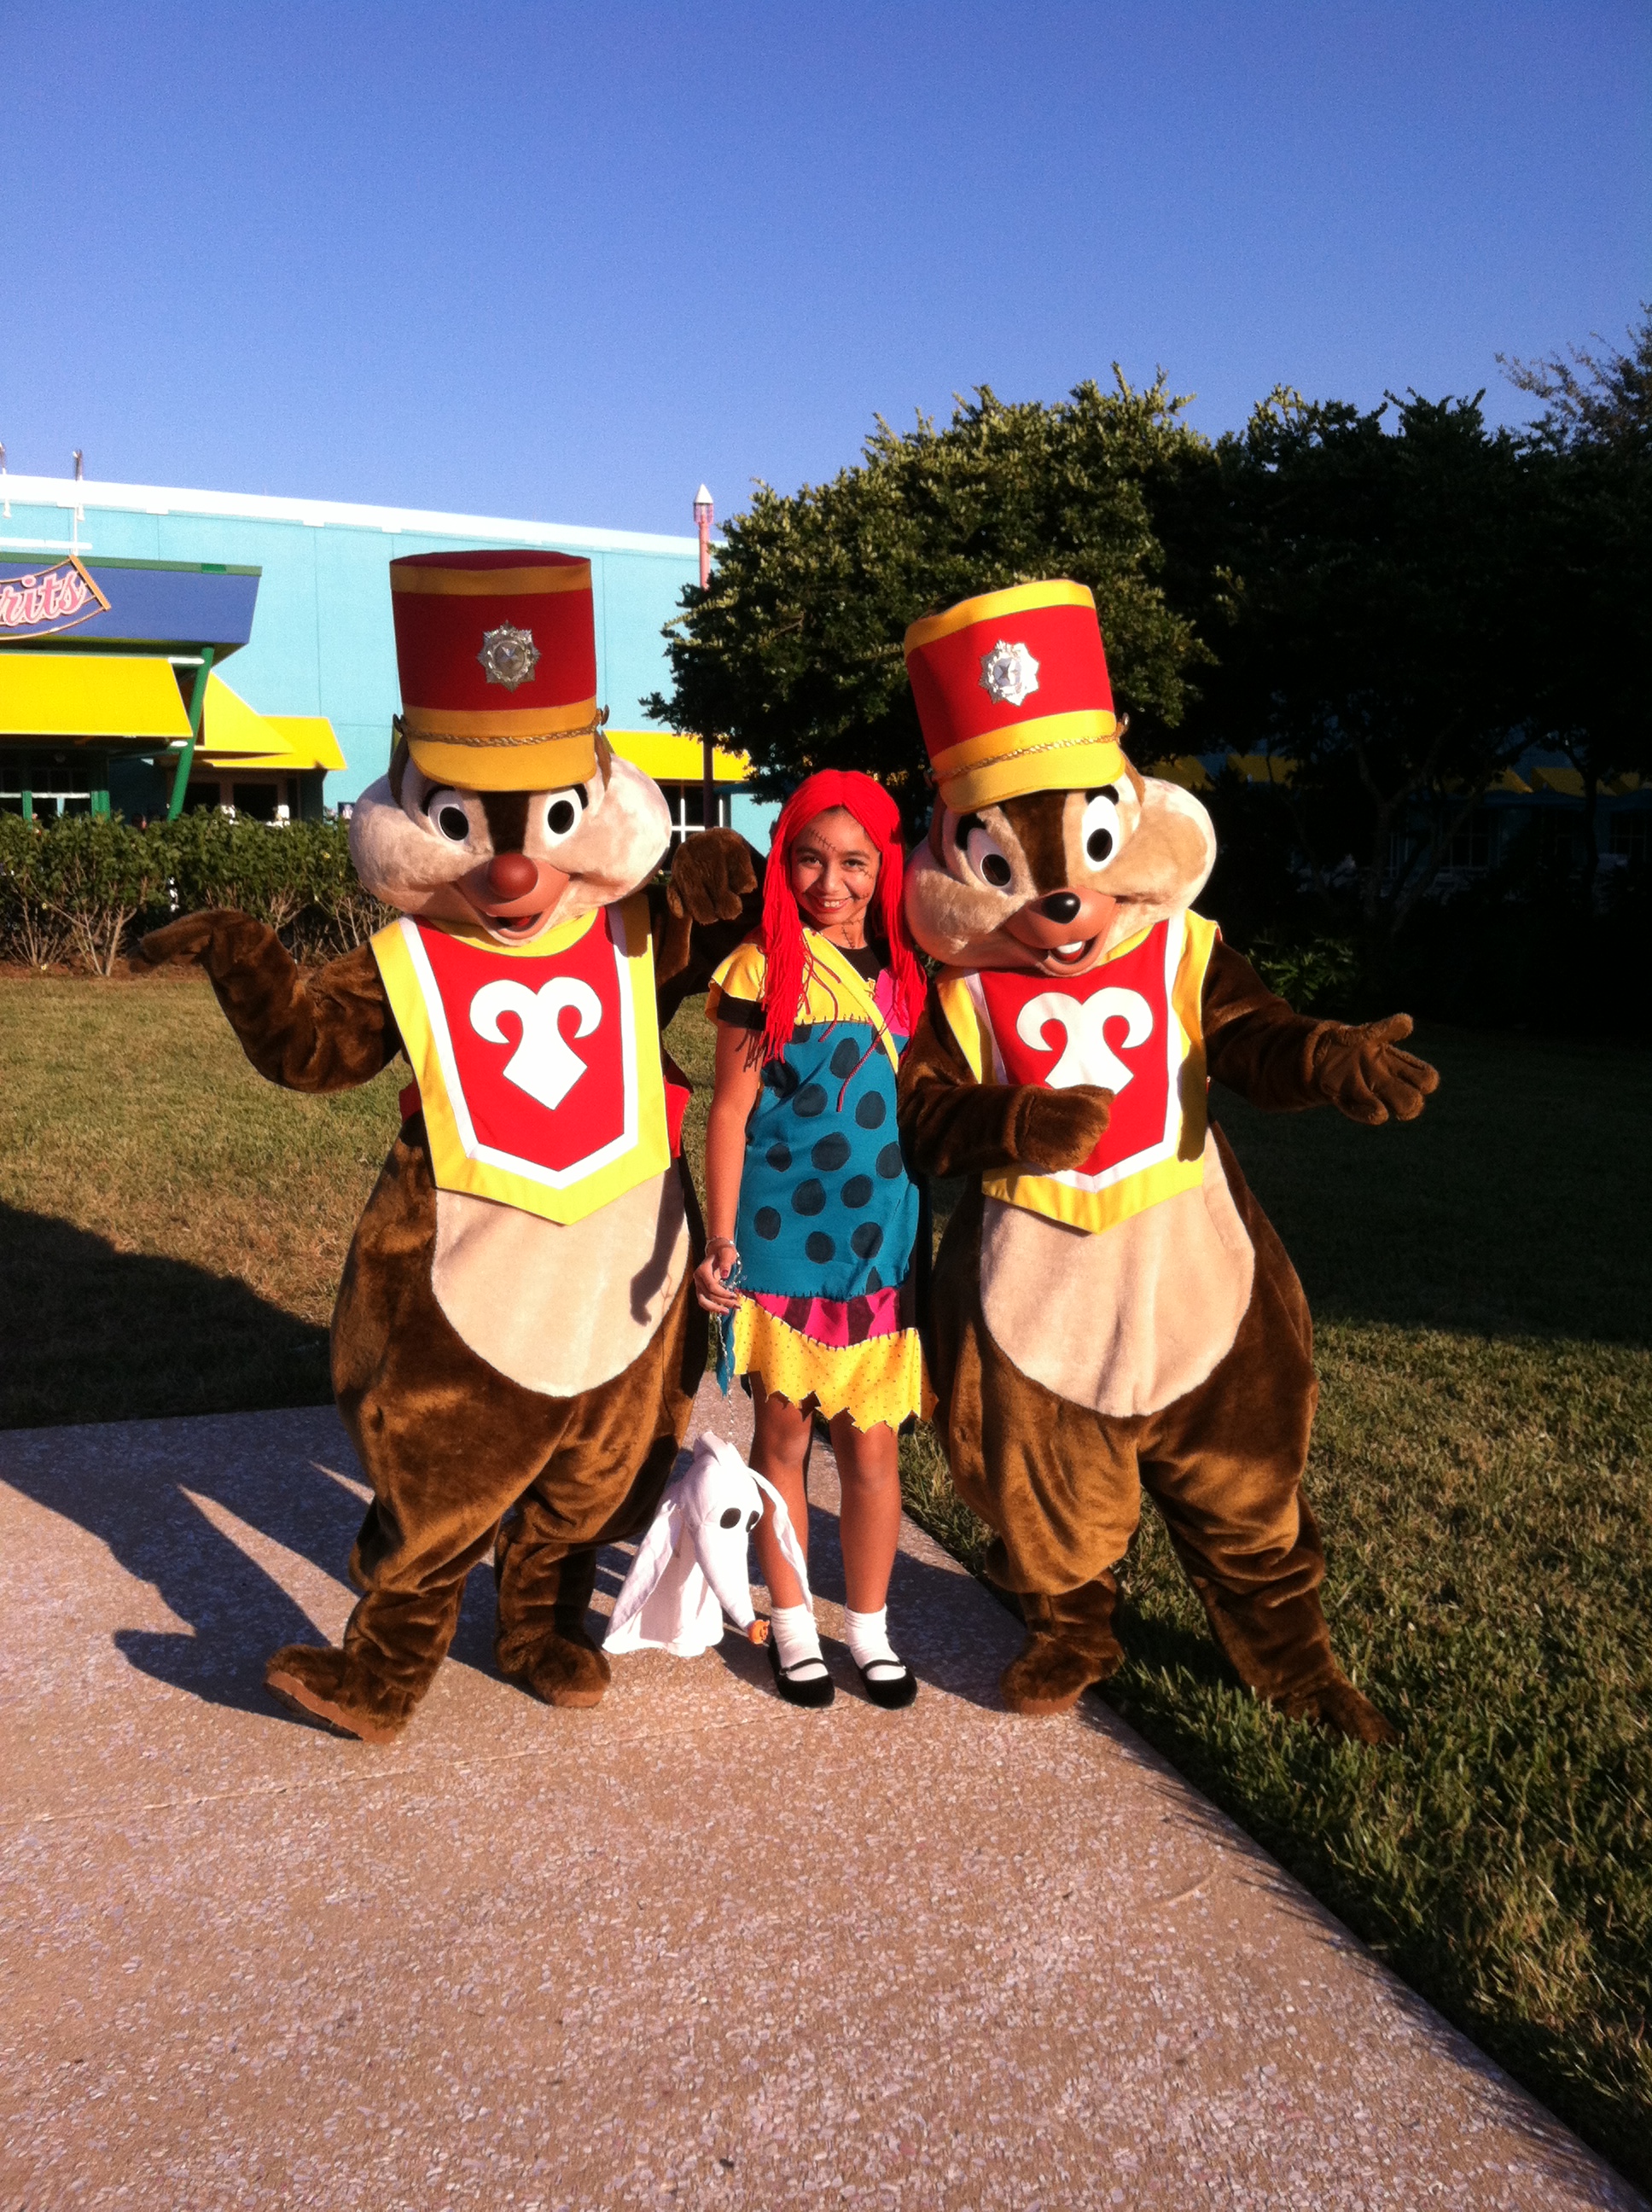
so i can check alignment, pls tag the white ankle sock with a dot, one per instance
(869, 1643)
(796, 1640)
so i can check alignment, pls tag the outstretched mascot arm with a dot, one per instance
(1283, 1061)
(950, 1124)
(325, 1031)
(711, 902)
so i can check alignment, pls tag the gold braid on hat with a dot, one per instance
(592, 729)
(1026, 752)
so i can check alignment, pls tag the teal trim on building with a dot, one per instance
(322, 641)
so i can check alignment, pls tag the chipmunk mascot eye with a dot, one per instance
(1112, 1309)
(515, 1347)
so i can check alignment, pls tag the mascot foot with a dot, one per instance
(325, 1685)
(1338, 1707)
(542, 1641)
(1049, 1677)
(1070, 1646)
(564, 1670)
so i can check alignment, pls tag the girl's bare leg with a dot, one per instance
(780, 1452)
(868, 1466)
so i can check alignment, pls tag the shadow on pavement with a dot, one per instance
(93, 1334)
(184, 1506)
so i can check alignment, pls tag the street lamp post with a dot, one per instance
(702, 520)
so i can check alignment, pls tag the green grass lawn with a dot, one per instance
(173, 1229)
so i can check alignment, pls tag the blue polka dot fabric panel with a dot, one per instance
(827, 1207)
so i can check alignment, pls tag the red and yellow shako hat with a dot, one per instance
(497, 655)
(1013, 696)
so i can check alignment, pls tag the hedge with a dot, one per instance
(73, 892)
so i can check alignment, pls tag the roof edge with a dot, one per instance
(259, 506)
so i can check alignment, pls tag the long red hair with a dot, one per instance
(786, 948)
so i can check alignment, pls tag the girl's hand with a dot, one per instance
(711, 1278)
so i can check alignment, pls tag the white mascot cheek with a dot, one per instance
(690, 1569)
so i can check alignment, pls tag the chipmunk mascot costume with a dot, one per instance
(515, 1347)
(1112, 1309)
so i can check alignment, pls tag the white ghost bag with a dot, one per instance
(691, 1567)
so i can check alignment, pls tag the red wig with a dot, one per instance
(786, 950)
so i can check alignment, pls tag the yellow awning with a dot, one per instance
(89, 696)
(230, 727)
(1187, 770)
(1262, 768)
(310, 740)
(1566, 782)
(234, 735)
(670, 758)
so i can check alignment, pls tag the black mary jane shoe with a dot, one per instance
(816, 1690)
(893, 1690)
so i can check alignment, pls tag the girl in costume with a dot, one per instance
(812, 1215)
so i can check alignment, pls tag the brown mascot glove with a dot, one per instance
(1055, 1129)
(219, 938)
(1363, 1075)
(710, 876)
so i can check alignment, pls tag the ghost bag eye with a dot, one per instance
(729, 1517)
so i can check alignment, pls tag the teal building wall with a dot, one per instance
(322, 639)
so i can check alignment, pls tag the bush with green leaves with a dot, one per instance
(72, 891)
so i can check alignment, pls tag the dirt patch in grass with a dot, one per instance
(173, 1230)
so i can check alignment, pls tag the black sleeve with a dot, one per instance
(740, 1013)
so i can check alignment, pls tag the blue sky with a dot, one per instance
(563, 261)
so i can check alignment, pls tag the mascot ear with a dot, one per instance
(791, 1550)
(653, 1557)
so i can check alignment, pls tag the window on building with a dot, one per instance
(1469, 845)
(1631, 836)
(55, 782)
(688, 803)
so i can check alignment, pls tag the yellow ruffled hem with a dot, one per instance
(882, 1380)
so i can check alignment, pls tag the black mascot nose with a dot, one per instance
(512, 875)
(1060, 906)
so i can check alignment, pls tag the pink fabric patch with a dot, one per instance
(827, 1320)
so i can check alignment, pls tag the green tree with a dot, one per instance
(1590, 455)
(793, 652)
(1600, 400)
(1371, 582)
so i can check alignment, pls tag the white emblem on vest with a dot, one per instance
(1088, 1057)
(544, 1064)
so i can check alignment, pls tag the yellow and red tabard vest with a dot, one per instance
(539, 1070)
(1131, 1025)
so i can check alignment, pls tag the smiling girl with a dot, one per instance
(812, 1215)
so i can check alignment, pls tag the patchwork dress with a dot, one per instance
(827, 1215)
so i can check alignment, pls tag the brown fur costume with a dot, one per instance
(1172, 1351)
(474, 1346)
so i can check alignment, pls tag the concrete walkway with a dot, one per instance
(693, 1948)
